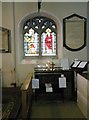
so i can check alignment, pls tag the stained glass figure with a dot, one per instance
(31, 46)
(48, 43)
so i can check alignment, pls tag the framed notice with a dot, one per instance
(5, 38)
(74, 32)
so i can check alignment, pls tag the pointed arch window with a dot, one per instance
(40, 37)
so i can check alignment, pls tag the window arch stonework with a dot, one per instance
(40, 48)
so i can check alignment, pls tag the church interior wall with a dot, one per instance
(12, 13)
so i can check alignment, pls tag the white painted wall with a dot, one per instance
(0, 34)
(8, 59)
(57, 9)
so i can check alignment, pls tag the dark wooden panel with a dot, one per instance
(52, 77)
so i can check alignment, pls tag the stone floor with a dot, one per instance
(55, 109)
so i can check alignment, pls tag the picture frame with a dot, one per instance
(5, 35)
(74, 32)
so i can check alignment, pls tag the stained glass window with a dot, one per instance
(40, 37)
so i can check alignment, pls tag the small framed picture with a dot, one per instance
(5, 40)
